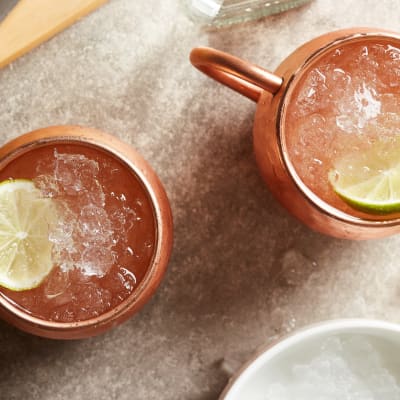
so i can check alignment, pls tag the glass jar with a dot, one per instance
(226, 12)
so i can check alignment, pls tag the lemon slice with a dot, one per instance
(25, 249)
(369, 181)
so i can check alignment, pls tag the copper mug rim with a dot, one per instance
(254, 81)
(162, 215)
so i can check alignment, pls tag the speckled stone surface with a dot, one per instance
(243, 272)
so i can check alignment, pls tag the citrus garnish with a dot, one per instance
(369, 181)
(25, 221)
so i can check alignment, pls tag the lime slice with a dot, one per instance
(25, 249)
(369, 181)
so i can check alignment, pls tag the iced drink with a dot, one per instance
(104, 237)
(344, 117)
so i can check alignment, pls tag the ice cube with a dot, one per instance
(96, 260)
(47, 185)
(313, 93)
(367, 104)
(347, 123)
(76, 173)
(65, 172)
(56, 284)
(94, 224)
(62, 233)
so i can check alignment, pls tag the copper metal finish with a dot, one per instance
(272, 93)
(247, 79)
(162, 216)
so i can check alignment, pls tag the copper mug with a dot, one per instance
(162, 221)
(272, 93)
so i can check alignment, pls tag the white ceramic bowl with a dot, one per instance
(252, 380)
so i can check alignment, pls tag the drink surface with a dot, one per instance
(104, 238)
(346, 104)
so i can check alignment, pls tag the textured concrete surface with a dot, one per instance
(243, 271)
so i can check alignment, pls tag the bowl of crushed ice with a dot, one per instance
(347, 359)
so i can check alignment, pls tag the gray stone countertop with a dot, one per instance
(243, 272)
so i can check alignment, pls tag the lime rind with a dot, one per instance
(377, 208)
(379, 194)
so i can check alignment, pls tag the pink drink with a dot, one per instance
(104, 240)
(345, 104)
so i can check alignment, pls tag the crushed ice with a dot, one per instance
(350, 367)
(356, 97)
(347, 103)
(84, 236)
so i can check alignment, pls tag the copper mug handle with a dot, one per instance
(246, 78)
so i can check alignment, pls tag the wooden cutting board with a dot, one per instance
(32, 22)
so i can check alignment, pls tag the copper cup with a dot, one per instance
(161, 213)
(272, 93)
